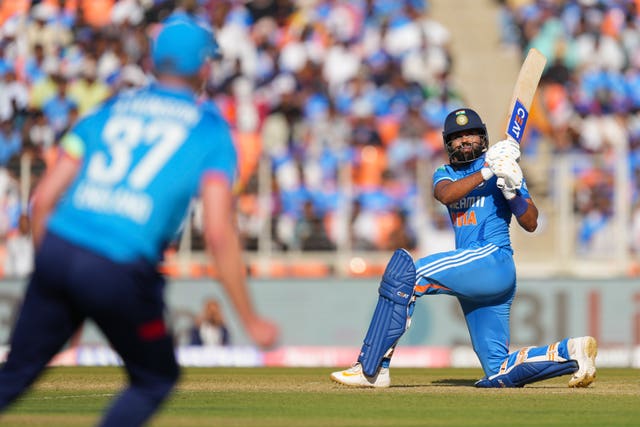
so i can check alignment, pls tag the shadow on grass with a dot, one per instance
(455, 382)
(447, 382)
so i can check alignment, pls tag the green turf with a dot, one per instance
(305, 397)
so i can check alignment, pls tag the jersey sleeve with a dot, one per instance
(221, 159)
(441, 174)
(72, 146)
(74, 142)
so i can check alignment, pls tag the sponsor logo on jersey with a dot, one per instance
(461, 219)
(468, 202)
(463, 214)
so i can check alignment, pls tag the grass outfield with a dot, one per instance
(305, 397)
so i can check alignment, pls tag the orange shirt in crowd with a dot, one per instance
(97, 12)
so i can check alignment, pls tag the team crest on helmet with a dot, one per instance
(461, 118)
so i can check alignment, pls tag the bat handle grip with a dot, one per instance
(500, 183)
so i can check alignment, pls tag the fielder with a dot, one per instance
(104, 214)
(480, 272)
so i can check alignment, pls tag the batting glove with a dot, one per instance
(504, 148)
(487, 173)
(509, 193)
(510, 172)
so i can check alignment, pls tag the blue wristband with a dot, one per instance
(518, 205)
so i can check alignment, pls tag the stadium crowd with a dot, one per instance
(590, 99)
(312, 86)
(343, 100)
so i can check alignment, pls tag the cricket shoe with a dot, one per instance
(584, 351)
(354, 377)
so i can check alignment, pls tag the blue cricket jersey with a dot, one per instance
(144, 155)
(483, 214)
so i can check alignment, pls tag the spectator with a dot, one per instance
(14, 95)
(210, 327)
(437, 233)
(9, 202)
(130, 77)
(364, 131)
(44, 29)
(409, 146)
(20, 251)
(40, 72)
(400, 236)
(310, 231)
(88, 91)
(10, 141)
(59, 109)
(38, 132)
(363, 227)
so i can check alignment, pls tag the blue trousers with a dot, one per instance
(125, 300)
(483, 278)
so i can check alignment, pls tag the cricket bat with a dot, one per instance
(523, 93)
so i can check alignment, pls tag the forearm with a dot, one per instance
(39, 217)
(447, 192)
(223, 242)
(523, 209)
(39, 212)
(229, 265)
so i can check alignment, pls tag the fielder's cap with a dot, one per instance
(460, 120)
(182, 46)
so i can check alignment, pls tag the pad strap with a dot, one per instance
(527, 373)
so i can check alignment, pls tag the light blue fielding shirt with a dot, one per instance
(144, 155)
(483, 215)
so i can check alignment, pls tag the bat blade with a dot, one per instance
(522, 97)
(523, 93)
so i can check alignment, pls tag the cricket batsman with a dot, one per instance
(480, 272)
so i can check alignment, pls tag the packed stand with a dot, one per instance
(343, 99)
(58, 59)
(589, 99)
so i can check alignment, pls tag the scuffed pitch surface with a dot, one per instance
(306, 397)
